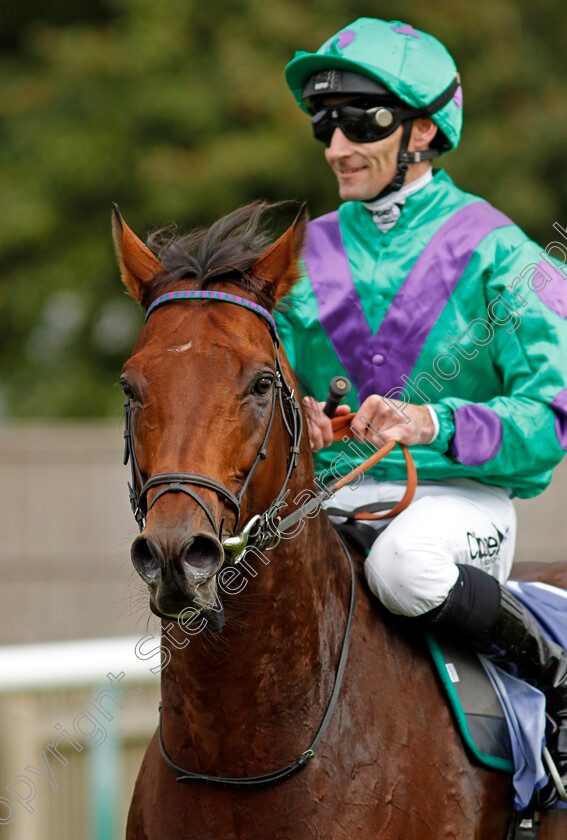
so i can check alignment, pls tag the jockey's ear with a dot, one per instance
(278, 266)
(136, 262)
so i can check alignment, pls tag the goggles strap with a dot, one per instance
(441, 101)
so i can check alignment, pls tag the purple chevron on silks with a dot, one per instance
(412, 314)
(340, 310)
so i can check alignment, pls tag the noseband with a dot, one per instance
(259, 531)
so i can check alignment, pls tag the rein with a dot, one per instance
(341, 429)
(259, 531)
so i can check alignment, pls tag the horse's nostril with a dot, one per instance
(198, 557)
(204, 554)
(146, 559)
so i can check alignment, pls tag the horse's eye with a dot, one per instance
(262, 385)
(128, 391)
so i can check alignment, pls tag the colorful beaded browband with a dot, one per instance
(225, 297)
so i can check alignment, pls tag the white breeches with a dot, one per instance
(411, 566)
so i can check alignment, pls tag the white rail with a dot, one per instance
(74, 663)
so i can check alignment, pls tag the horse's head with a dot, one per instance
(204, 402)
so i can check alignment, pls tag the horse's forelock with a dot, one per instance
(226, 251)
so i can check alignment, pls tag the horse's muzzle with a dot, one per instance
(174, 570)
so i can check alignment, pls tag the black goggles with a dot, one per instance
(361, 125)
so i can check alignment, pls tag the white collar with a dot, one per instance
(399, 196)
(387, 210)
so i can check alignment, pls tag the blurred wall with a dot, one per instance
(64, 555)
(542, 522)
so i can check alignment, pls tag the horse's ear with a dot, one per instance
(136, 262)
(278, 266)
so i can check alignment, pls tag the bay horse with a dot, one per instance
(212, 431)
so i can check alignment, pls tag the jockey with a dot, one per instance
(450, 324)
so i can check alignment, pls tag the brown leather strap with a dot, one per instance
(342, 429)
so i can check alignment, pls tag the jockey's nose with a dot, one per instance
(339, 147)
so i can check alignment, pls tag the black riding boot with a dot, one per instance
(487, 616)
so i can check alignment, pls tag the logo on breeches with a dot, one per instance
(486, 549)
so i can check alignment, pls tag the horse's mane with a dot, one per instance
(228, 250)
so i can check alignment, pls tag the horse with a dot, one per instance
(214, 437)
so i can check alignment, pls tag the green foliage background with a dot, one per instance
(178, 111)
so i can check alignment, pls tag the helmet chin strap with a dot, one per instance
(405, 157)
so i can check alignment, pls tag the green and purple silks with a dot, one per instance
(454, 307)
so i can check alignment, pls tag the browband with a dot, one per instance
(204, 294)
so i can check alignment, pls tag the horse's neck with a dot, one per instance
(271, 671)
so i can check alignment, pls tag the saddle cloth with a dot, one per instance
(500, 717)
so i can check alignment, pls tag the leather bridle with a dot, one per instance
(259, 532)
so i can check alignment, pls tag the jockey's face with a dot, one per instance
(363, 170)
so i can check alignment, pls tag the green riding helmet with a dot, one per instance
(411, 64)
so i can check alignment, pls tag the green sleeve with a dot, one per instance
(526, 300)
